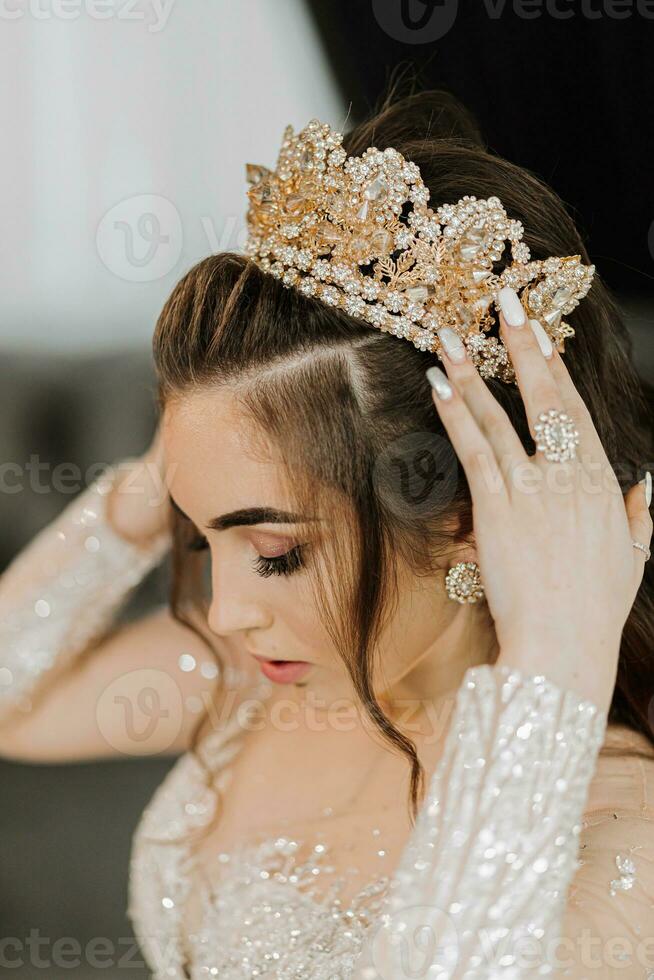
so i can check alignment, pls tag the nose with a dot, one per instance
(234, 606)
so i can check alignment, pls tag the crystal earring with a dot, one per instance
(463, 582)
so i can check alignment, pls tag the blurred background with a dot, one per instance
(127, 125)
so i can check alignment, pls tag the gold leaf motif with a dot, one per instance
(362, 228)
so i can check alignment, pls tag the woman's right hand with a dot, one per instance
(554, 538)
(138, 507)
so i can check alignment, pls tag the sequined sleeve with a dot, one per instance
(61, 591)
(481, 888)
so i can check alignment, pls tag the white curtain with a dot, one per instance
(126, 128)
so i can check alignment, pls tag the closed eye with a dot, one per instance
(286, 564)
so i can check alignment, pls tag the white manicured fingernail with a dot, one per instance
(438, 380)
(647, 481)
(544, 341)
(511, 307)
(453, 344)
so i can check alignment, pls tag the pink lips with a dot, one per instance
(283, 671)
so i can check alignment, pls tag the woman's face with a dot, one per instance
(262, 602)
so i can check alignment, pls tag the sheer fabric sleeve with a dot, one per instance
(480, 890)
(61, 591)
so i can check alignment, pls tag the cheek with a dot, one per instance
(297, 612)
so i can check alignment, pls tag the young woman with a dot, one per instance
(414, 707)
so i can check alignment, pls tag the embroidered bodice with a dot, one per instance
(256, 886)
(511, 806)
(526, 831)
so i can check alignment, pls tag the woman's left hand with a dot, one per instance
(553, 539)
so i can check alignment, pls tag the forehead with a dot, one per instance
(215, 457)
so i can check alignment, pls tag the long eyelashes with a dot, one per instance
(281, 565)
(284, 564)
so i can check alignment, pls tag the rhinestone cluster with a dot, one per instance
(556, 436)
(463, 582)
(627, 870)
(357, 233)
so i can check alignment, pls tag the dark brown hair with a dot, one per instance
(331, 394)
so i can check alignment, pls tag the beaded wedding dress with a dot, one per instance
(538, 822)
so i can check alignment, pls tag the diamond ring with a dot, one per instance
(644, 548)
(556, 436)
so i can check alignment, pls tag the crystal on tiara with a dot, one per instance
(357, 233)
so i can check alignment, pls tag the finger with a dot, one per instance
(471, 446)
(527, 347)
(577, 409)
(637, 501)
(484, 407)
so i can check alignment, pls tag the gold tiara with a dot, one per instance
(356, 233)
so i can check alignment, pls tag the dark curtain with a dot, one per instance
(563, 88)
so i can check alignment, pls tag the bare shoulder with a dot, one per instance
(610, 907)
(624, 773)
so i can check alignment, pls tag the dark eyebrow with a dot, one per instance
(247, 516)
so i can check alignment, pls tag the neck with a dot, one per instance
(466, 640)
(465, 637)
